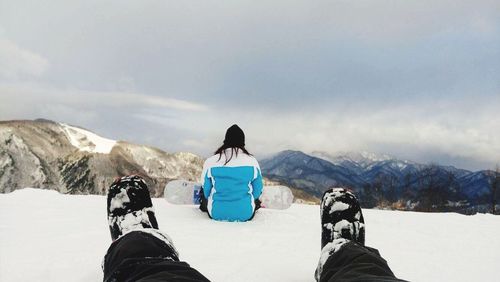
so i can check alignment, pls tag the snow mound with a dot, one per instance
(63, 238)
(87, 141)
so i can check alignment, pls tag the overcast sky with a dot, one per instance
(417, 79)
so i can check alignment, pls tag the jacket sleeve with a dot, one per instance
(206, 180)
(257, 184)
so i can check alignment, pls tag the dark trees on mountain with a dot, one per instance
(436, 188)
(382, 192)
(368, 196)
(372, 195)
(408, 190)
(494, 188)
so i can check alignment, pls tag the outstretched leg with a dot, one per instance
(344, 256)
(140, 252)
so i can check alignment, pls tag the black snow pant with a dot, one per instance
(354, 262)
(140, 256)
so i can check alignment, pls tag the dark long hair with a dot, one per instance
(234, 139)
(234, 151)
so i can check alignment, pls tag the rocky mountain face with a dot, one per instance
(384, 181)
(50, 155)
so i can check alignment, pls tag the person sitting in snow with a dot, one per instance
(231, 180)
(140, 252)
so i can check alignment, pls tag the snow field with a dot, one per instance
(87, 141)
(46, 236)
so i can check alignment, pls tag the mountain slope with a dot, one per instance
(73, 160)
(311, 174)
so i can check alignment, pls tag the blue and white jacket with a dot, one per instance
(231, 189)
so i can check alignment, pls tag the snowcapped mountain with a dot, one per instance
(362, 158)
(74, 160)
(366, 161)
(370, 165)
(325, 170)
(381, 179)
(311, 174)
(49, 155)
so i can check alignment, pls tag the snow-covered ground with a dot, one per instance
(46, 236)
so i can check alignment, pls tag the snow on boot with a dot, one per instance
(129, 206)
(341, 222)
(341, 217)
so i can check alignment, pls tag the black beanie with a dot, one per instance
(235, 137)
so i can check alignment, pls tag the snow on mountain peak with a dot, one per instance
(87, 141)
(366, 156)
(362, 157)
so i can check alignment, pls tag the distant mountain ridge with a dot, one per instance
(381, 180)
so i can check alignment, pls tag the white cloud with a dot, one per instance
(171, 103)
(465, 129)
(36, 95)
(16, 61)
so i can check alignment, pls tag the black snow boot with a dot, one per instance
(341, 217)
(129, 206)
(203, 201)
